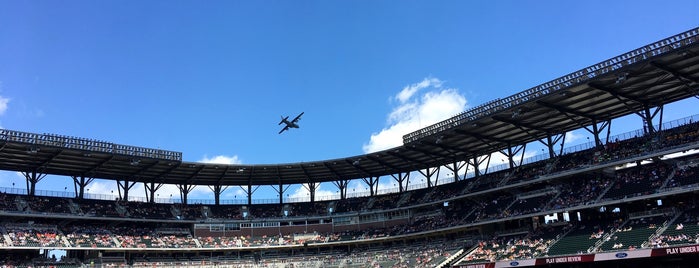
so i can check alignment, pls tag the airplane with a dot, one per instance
(290, 124)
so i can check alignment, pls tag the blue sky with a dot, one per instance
(211, 79)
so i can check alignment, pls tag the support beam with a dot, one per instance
(648, 116)
(357, 165)
(43, 165)
(551, 141)
(413, 163)
(571, 114)
(511, 152)
(150, 188)
(32, 179)
(311, 186)
(342, 187)
(428, 173)
(521, 125)
(449, 150)
(280, 189)
(564, 110)
(185, 189)
(373, 183)
(124, 186)
(428, 153)
(386, 166)
(95, 167)
(79, 184)
(619, 95)
(403, 180)
(249, 191)
(484, 139)
(217, 190)
(456, 167)
(476, 162)
(597, 129)
(688, 81)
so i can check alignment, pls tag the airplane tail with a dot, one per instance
(283, 119)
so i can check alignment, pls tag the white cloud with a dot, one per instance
(3, 104)
(102, 187)
(571, 136)
(302, 192)
(165, 193)
(416, 111)
(408, 91)
(233, 192)
(221, 159)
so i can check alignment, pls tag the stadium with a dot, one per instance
(619, 200)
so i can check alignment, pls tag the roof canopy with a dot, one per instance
(657, 74)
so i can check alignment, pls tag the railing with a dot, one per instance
(69, 142)
(353, 194)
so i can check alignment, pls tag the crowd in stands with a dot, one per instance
(470, 201)
(685, 230)
(652, 177)
(32, 235)
(510, 247)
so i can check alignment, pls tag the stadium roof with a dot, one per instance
(653, 75)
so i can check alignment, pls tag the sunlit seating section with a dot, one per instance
(484, 201)
(516, 246)
(633, 234)
(683, 231)
(681, 135)
(175, 238)
(222, 242)
(33, 235)
(581, 238)
(89, 235)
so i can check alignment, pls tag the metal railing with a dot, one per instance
(68, 142)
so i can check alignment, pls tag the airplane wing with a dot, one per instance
(298, 117)
(284, 129)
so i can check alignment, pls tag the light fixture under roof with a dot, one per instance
(33, 149)
(621, 78)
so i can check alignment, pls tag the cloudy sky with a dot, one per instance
(212, 80)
